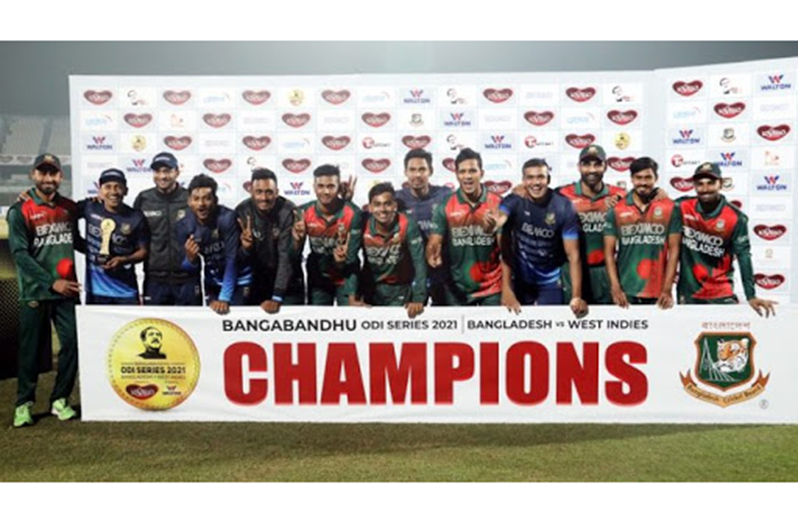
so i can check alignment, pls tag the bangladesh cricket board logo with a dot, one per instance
(724, 364)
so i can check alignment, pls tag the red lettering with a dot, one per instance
(489, 373)
(635, 379)
(234, 373)
(342, 357)
(286, 372)
(446, 373)
(571, 374)
(538, 358)
(412, 366)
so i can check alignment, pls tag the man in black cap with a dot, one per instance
(117, 237)
(165, 281)
(41, 235)
(715, 232)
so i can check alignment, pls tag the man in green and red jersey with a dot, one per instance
(475, 264)
(647, 233)
(714, 233)
(334, 228)
(591, 198)
(41, 235)
(394, 267)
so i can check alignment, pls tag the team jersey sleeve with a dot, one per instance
(609, 224)
(570, 228)
(228, 229)
(508, 204)
(19, 243)
(439, 224)
(675, 225)
(182, 233)
(352, 260)
(741, 245)
(415, 245)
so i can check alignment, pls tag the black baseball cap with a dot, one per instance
(164, 159)
(113, 175)
(47, 159)
(593, 151)
(707, 170)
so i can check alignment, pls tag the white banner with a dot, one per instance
(692, 364)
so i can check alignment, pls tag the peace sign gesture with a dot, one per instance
(299, 229)
(247, 239)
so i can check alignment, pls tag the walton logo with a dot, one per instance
(775, 83)
(256, 97)
(773, 133)
(580, 95)
(177, 97)
(417, 97)
(770, 233)
(498, 96)
(139, 165)
(336, 97)
(772, 184)
(727, 160)
(497, 142)
(98, 97)
(688, 89)
(686, 138)
(297, 190)
(724, 361)
(98, 144)
(457, 120)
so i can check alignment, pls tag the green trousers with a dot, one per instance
(34, 319)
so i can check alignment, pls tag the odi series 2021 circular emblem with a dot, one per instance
(153, 364)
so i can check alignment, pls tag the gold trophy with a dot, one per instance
(107, 227)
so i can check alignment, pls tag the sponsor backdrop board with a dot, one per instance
(691, 364)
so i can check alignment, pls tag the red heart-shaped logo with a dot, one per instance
(138, 120)
(622, 117)
(770, 233)
(296, 166)
(217, 120)
(416, 142)
(499, 187)
(579, 142)
(140, 392)
(98, 97)
(177, 97)
(580, 95)
(498, 96)
(256, 97)
(376, 120)
(538, 118)
(336, 143)
(682, 184)
(296, 120)
(773, 133)
(768, 281)
(336, 97)
(217, 166)
(448, 163)
(256, 143)
(688, 88)
(620, 164)
(729, 110)
(376, 166)
(247, 185)
(177, 143)
(737, 203)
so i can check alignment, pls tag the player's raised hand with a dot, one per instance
(342, 248)
(299, 230)
(192, 249)
(247, 239)
(347, 189)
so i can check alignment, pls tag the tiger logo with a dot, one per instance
(732, 355)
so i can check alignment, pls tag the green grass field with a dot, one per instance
(94, 451)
